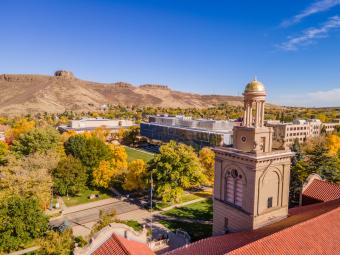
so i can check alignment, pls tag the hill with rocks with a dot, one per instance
(23, 94)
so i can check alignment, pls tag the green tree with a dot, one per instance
(37, 140)
(320, 162)
(22, 220)
(57, 243)
(70, 176)
(175, 168)
(130, 135)
(90, 151)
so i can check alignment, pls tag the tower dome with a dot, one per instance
(254, 86)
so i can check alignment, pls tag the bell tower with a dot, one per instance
(251, 183)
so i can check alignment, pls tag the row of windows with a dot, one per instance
(301, 139)
(295, 134)
(297, 128)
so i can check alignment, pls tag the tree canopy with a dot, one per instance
(37, 140)
(136, 174)
(90, 151)
(22, 220)
(70, 176)
(175, 168)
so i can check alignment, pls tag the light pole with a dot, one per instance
(151, 191)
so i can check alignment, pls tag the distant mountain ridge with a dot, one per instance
(29, 93)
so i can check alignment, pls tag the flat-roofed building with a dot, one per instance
(287, 133)
(195, 132)
(89, 124)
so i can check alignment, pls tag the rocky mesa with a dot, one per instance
(23, 94)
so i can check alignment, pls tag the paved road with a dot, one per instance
(87, 215)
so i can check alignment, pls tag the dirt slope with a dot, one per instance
(22, 94)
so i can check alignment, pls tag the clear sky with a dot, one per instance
(208, 47)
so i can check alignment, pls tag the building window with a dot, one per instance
(234, 188)
(270, 202)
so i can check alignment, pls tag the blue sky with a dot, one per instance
(208, 47)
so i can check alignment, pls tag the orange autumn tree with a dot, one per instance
(22, 126)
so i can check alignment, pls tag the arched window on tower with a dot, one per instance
(234, 188)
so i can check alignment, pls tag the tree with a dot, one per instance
(90, 151)
(320, 162)
(333, 144)
(37, 140)
(130, 135)
(103, 174)
(21, 126)
(175, 168)
(3, 152)
(207, 159)
(70, 176)
(57, 243)
(29, 177)
(107, 169)
(136, 174)
(22, 220)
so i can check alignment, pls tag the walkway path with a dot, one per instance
(181, 205)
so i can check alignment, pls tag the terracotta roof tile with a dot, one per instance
(235, 241)
(322, 191)
(117, 245)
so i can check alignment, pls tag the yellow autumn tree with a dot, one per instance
(21, 126)
(333, 144)
(103, 174)
(207, 159)
(119, 157)
(108, 169)
(135, 178)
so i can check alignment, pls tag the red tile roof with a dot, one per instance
(322, 191)
(117, 245)
(271, 239)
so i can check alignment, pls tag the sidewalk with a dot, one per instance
(90, 205)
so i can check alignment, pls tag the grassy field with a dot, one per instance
(200, 211)
(197, 211)
(83, 197)
(196, 231)
(186, 198)
(138, 154)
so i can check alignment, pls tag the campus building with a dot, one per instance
(250, 200)
(197, 133)
(286, 133)
(90, 124)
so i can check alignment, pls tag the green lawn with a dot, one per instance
(200, 211)
(138, 154)
(83, 197)
(196, 231)
(186, 198)
(134, 224)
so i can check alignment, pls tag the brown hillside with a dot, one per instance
(21, 94)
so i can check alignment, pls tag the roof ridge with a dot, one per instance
(321, 216)
(114, 236)
(325, 181)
